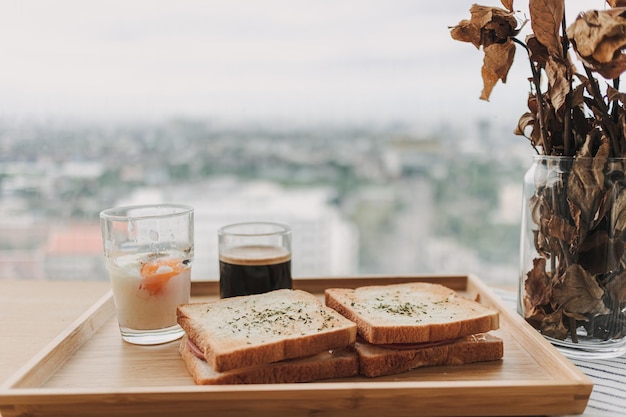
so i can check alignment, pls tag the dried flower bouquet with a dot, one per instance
(575, 109)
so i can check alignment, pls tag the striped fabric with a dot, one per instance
(608, 398)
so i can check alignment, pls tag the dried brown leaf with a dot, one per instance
(534, 316)
(536, 138)
(585, 187)
(613, 36)
(610, 70)
(576, 213)
(594, 139)
(496, 31)
(486, 26)
(618, 210)
(598, 38)
(578, 94)
(537, 286)
(604, 207)
(559, 228)
(616, 3)
(614, 94)
(602, 150)
(599, 254)
(599, 161)
(538, 52)
(496, 64)
(538, 208)
(508, 4)
(491, 28)
(525, 121)
(481, 15)
(579, 292)
(558, 79)
(588, 31)
(545, 20)
(465, 31)
(552, 326)
(585, 150)
(585, 190)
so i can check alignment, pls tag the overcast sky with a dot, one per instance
(339, 60)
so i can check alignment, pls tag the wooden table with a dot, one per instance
(33, 313)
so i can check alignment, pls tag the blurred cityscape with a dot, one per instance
(381, 199)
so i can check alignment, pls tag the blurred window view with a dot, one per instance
(356, 122)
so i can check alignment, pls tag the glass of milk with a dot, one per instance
(148, 251)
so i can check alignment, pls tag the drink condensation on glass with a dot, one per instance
(148, 252)
(254, 257)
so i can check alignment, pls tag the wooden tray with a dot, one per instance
(88, 370)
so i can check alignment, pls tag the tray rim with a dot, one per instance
(571, 380)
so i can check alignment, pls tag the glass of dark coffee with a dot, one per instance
(255, 257)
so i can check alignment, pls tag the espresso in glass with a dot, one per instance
(254, 269)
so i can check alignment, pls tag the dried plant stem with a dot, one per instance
(571, 322)
(615, 103)
(545, 140)
(563, 258)
(568, 141)
(606, 119)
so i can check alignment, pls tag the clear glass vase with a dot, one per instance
(572, 284)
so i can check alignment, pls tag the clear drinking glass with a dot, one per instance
(148, 251)
(255, 257)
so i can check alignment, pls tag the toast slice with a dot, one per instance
(251, 330)
(415, 312)
(378, 361)
(328, 364)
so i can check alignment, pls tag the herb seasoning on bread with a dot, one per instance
(264, 328)
(407, 326)
(414, 312)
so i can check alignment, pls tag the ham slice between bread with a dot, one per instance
(258, 329)
(337, 363)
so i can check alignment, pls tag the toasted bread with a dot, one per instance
(338, 363)
(414, 312)
(378, 361)
(251, 330)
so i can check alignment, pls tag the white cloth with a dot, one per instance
(608, 398)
